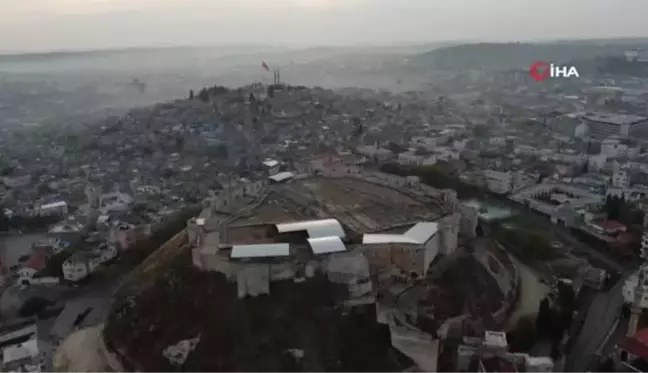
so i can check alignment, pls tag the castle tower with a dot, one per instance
(449, 233)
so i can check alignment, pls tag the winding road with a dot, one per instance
(602, 313)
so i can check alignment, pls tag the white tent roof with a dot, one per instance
(260, 251)
(282, 176)
(315, 228)
(326, 245)
(419, 234)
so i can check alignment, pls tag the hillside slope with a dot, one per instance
(256, 334)
(515, 55)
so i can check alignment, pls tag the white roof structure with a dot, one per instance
(260, 251)
(53, 205)
(326, 245)
(270, 163)
(387, 238)
(315, 228)
(419, 234)
(25, 350)
(282, 176)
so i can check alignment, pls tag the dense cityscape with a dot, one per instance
(393, 210)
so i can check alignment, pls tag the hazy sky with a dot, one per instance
(30, 25)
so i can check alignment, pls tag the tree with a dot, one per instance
(607, 366)
(179, 143)
(543, 320)
(523, 336)
(4, 220)
(203, 95)
(481, 131)
(33, 306)
(191, 94)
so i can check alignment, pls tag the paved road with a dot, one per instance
(601, 315)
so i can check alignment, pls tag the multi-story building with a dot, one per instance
(21, 349)
(59, 208)
(621, 179)
(603, 125)
(83, 263)
(123, 236)
(17, 181)
(498, 181)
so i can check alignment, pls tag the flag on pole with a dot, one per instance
(265, 66)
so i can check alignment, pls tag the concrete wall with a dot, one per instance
(508, 280)
(237, 194)
(218, 263)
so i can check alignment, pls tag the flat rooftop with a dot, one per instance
(615, 119)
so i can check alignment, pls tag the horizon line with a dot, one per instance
(395, 44)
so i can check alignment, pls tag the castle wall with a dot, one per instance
(449, 233)
(469, 220)
(253, 280)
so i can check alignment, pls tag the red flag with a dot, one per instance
(265, 66)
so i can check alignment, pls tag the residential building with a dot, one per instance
(631, 352)
(498, 181)
(76, 267)
(607, 227)
(59, 208)
(123, 236)
(540, 364)
(17, 181)
(272, 166)
(83, 263)
(115, 202)
(490, 354)
(21, 349)
(621, 179)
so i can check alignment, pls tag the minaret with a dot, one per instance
(635, 292)
(92, 196)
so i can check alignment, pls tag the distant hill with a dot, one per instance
(517, 55)
(135, 52)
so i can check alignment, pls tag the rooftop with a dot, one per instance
(315, 228)
(25, 350)
(615, 119)
(282, 176)
(419, 234)
(53, 205)
(637, 345)
(260, 251)
(326, 245)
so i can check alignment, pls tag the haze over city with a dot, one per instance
(47, 25)
(323, 185)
